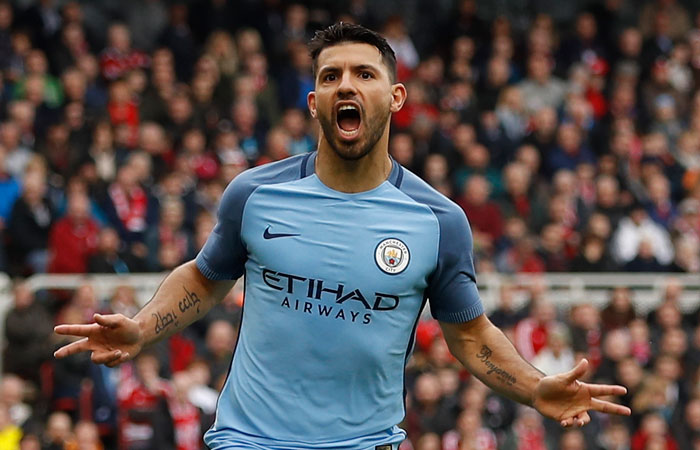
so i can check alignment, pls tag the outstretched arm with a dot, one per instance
(184, 296)
(491, 357)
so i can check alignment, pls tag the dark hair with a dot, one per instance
(348, 32)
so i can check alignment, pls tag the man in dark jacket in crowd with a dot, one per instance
(27, 330)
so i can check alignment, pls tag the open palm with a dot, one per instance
(112, 339)
(564, 398)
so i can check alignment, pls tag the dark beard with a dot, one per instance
(358, 150)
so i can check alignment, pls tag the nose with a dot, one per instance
(346, 86)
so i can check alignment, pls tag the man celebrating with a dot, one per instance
(340, 249)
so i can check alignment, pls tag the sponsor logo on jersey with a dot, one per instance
(312, 296)
(392, 256)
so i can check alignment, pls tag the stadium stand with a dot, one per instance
(569, 132)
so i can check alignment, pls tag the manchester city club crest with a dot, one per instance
(392, 256)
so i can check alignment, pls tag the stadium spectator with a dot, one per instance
(552, 248)
(541, 89)
(294, 123)
(616, 346)
(630, 372)
(220, 341)
(170, 231)
(570, 150)
(6, 19)
(520, 199)
(58, 431)
(17, 155)
(12, 390)
(103, 152)
(586, 332)
(69, 48)
(297, 79)
(30, 442)
(178, 37)
(26, 335)
(689, 431)
(10, 434)
(608, 199)
(123, 300)
(584, 45)
(687, 255)
(532, 332)
(244, 115)
(200, 393)
(185, 415)
(676, 15)
(474, 159)
(128, 206)
(144, 418)
(636, 229)
(36, 71)
(470, 431)
(511, 116)
(277, 146)
(498, 73)
(73, 238)
(111, 257)
(557, 355)
(28, 227)
(119, 57)
(544, 130)
(654, 433)
(527, 432)
(431, 412)
(620, 311)
(87, 436)
(9, 188)
(484, 214)
(593, 256)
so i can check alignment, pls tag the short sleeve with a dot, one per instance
(452, 289)
(224, 254)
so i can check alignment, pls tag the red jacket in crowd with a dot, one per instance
(70, 244)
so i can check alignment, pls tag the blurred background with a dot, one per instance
(568, 131)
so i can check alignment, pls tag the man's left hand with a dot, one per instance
(564, 398)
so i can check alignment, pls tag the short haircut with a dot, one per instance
(342, 32)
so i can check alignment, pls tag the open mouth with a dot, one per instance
(349, 120)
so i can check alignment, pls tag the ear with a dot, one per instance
(311, 102)
(398, 96)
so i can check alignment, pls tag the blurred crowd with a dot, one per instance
(569, 132)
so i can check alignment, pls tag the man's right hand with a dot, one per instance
(112, 339)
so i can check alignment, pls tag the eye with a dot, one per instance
(366, 75)
(329, 77)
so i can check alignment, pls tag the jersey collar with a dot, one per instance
(395, 176)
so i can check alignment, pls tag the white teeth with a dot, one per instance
(347, 107)
(348, 133)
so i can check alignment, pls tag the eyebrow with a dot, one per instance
(333, 68)
(367, 67)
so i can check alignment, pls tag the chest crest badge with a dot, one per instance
(392, 256)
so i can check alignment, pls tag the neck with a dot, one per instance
(352, 176)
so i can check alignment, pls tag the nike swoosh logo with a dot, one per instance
(268, 235)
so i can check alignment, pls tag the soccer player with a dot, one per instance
(340, 249)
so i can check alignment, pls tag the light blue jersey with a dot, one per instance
(334, 286)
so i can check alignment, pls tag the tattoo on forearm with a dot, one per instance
(484, 355)
(164, 321)
(190, 300)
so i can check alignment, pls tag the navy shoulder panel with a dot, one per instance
(224, 255)
(452, 289)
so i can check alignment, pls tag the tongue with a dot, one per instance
(349, 123)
